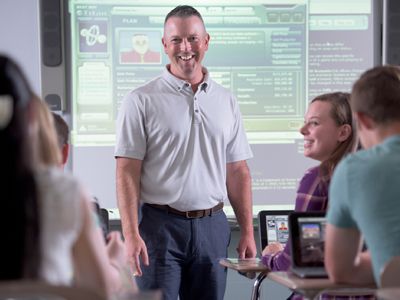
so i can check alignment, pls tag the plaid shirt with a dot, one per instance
(312, 195)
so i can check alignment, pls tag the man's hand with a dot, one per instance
(247, 247)
(136, 251)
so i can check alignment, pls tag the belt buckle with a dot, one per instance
(189, 214)
(195, 214)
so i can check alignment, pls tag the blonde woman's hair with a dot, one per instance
(341, 113)
(48, 152)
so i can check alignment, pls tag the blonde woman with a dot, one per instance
(54, 237)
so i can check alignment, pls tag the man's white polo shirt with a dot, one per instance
(184, 139)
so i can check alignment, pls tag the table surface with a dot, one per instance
(294, 282)
(313, 286)
(389, 293)
(147, 295)
(310, 287)
(244, 265)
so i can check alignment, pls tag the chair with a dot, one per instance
(29, 290)
(390, 273)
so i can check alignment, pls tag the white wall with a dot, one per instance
(19, 36)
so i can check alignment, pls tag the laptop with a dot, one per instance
(273, 227)
(307, 237)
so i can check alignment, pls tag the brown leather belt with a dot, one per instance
(191, 214)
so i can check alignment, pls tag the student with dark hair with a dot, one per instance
(53, 236)
(365, 188)
(62, 130)
(62, 149)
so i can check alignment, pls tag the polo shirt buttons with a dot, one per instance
(196, 109)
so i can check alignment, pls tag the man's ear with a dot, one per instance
(164, 45)
(364, 121)
(207, 40)
(345, 132)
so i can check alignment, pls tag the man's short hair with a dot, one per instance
(377, 94)
(62, 130)
(183, 11)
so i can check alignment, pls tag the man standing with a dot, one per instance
(364, 193)
(181, 151)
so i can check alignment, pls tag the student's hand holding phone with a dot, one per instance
(272, 248)
(117, 255)
(116, 250)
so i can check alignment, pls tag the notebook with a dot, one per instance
(307, 237)
(273, 227)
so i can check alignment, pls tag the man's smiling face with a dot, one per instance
(185, 42)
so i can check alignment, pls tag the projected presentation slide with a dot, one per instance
(274, 55)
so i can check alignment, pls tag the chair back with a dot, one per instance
(390, 273)
(29, 290)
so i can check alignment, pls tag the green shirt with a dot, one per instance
(365, 194)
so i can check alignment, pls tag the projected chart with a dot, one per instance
(274, 55)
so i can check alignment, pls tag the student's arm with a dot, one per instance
(343, 259)
(277, 259)
(128, 195)
(92, 268)
(272, 248)
(308, 198)
(116, 251)
(238, 182)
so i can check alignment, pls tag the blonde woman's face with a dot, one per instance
(321, 133)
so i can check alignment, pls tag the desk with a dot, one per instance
(388, 293)
(147, 295)
(308, 287)
(255, 293)
(248, 267)
(312, 287)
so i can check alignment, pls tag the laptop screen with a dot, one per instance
(308, 239)
(273, 226)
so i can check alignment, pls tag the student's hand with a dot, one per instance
(117, 254)
(136, 250)
(116, 250)
(272, 248)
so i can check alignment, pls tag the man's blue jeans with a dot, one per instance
(184, 254)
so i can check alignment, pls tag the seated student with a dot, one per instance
(49, 155)
(62, 131)
(365, 189)
(44, 136)
(329, 134)
(53, 237)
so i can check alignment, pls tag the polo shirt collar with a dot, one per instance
(180, 84)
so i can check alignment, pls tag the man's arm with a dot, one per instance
(128, 196)
(238, 183)
(343, 259)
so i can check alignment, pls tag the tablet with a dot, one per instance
(273, 226)
(307, 235)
